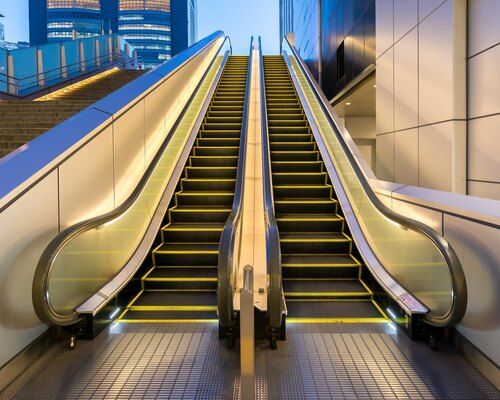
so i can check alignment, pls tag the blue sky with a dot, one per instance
(237, 18)
(241, 19)
(16, 19)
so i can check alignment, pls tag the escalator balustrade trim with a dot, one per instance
(181, 286)
(322, 276)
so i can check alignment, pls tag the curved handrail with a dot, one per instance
(40, 289)
(454, 267)
(273, 249)
(226, 278)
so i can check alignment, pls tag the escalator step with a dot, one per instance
(318, 311)
(324, 288)
(168, 316)
(180, 300)
(185, 232)
(218, 199)
(179, 278)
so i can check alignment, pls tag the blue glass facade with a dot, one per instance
(68, 19)
(336, 38)
(146, 25)
(61, 20)
(184, 24)
(158, 29)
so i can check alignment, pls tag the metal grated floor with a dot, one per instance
(187, 361)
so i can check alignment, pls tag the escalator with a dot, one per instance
(181, 283)
(323, 278)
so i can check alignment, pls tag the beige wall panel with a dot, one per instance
(484, 83)
(485, 189)
(435, 160)
(484, 149)
(483, 24)
(28, 226)
(361, 127)
(406, 82)
(385, 93)
(405, 17)
(86, 181)
(478, 250)
(385, 157)
(384, 25)
(406, 157)
(425, 7)
(436, 66)
(129, 157)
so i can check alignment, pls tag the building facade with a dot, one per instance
(413, 82)
(60, 20)
(158, 29)
(184, 24)
(335, 38)
(146, 25)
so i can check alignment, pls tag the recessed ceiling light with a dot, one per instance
(374, 85)
(347, 104)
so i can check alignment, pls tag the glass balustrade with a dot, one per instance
(40, 66)
(92, 258)
(408, 255)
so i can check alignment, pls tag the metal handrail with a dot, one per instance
(40, 290)
(273, 249)
(57, 72)
(455, 270)
(226, 277)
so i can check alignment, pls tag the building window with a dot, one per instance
(85, 4)
(340, 62)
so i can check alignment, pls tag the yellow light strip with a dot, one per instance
(167, 321)
(337, 320)
(326, 294)
(172, 308)
(380, 310)
(181, 279)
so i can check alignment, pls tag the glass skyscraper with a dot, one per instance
(67, 19)
(146, 25)
(158, 29)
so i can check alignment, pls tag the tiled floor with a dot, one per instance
(188, 361)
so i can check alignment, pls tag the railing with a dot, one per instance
(413, 256)
(273, 250)
(100, 255)
(227, 260)
(28, 70)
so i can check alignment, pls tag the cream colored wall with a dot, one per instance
(363, 132)
(421, 95)
(484, 99)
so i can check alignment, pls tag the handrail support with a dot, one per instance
(247, 335)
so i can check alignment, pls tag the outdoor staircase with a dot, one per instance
(24, 120)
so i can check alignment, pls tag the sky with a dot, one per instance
(16, 19)
(239, 19)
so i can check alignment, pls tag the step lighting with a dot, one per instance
(347, 104)
(391, 313)
(114, 313)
